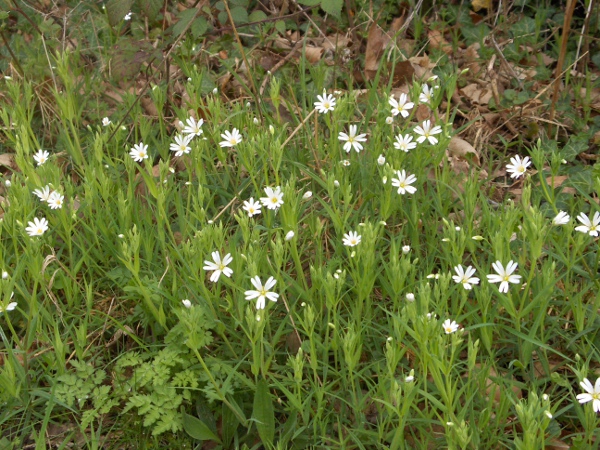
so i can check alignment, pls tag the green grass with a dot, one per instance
(102, 352)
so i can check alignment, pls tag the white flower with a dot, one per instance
(180, 146)
(345, 162)
(403, 183)
(590, 227)
(465, 276)
(256, 121)
(381, 160)
(9, 307)
(562, 218)
(193, 128)
(351, 239)
(504, 276)
(307, 195)
(4, 275)
(128, 16)
(592, 393)
(402, 106)
(406, 249)
(426, 94)
(251, 207)
(37, 227)
(450, 326)
(389, 120)
(262, 292)
(232, 138)
(7, 183)
(43, 193)
(352, 140)
(274, 198)
(518, 166)
(219, 266)
(404, 143)
(106, 122)
(548, 414)
(139, 152)
(409, 378)
(41, 157)
(56, 199)
(336, 183)
(290, 235)
(186, 303)
(410, 297)
(426, 132)
(325, 103)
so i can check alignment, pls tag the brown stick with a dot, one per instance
(561, 56)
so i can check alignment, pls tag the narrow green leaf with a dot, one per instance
(198, 429)
(264, 414)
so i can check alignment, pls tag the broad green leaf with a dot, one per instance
(264, 414)
(199, 26)
(239, 14)
(257, 16)
(333, 7)
(576, 145)
(116, 10)
(150, 8)
(184, 18)
(229, 424)
(198, 429)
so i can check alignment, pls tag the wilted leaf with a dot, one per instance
(477, 94)
(437, 41)
(481, 4)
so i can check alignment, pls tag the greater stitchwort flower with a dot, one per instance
(352, 140)
(450, 326)
(56, 199)
(402, 106)
(591, 394)
(588, 226)
(186, 303)
(262, 292)
(404, 143)
(41, 157)
(325, 103)
(426, 132)
(219, 266)
(193, 128)
(181, 144)
(106, 122)
(37, 227)
(504, 276)
(9, 307)
(465, 276)
(562, 218)
(232, 138)
(251, 207)
(518, 166)
(426, 94)
(351, 239)
(403, 182)
(274, 198)
(43, 193)
(139, 152)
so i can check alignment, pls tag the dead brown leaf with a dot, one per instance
(477, 93)
(8, 160)
(437, 41)
(460, 148)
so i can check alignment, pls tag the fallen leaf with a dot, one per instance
(8, 160)
(481, 4)
(437, 41)
(477, 94)
(460, 148)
